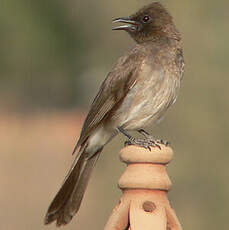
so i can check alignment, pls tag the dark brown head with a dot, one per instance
(149, 23)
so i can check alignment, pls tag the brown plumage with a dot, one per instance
(139, 89)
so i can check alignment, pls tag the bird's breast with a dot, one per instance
(146, 102)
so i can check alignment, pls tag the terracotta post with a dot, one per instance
(145, 183)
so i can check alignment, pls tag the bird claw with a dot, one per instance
(163, 142)
(145, 143)
(127, 143)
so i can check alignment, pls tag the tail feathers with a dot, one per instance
(67, 201)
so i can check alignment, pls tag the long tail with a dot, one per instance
(67, 201)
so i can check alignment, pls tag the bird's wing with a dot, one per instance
(112, 91)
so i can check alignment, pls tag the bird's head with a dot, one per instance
(149, 23)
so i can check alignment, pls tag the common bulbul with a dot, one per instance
(137, 92)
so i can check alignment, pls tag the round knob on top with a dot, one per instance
(137, 154)
(145, 169)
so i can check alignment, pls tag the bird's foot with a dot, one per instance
(145, 143)
(148, 136)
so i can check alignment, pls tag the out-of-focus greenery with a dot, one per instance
(53, 57)
(50, 50)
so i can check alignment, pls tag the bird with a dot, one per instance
(137, 92)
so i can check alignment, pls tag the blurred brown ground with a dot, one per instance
(53, 57)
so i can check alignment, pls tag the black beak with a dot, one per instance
(130, 24)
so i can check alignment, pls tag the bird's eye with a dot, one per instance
(146, 18)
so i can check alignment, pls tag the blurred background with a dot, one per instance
(53, 57)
